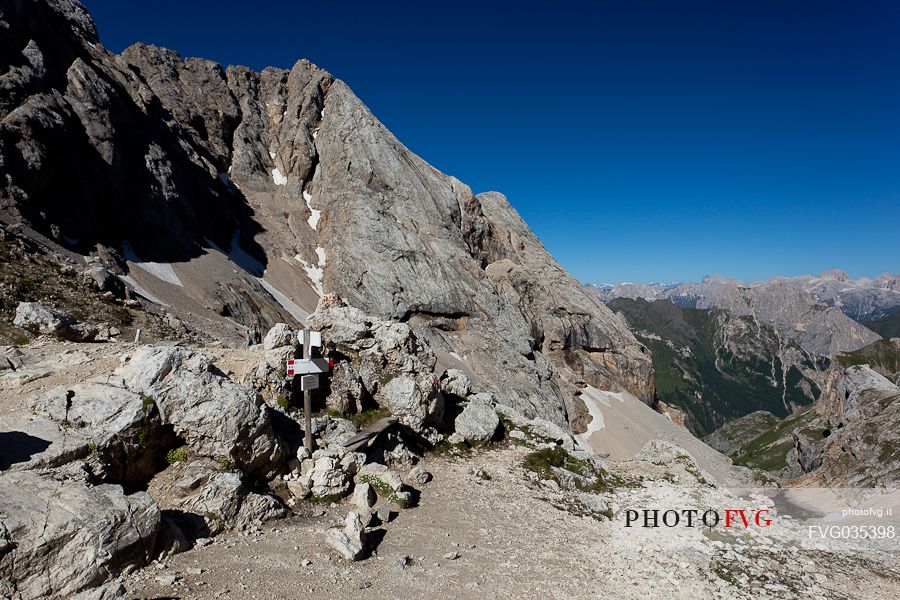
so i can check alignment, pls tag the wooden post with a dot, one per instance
(307, 400)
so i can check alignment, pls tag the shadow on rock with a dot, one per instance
(18, 447)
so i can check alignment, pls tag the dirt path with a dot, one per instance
(514, 542)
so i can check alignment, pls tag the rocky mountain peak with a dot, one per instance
(237, 198)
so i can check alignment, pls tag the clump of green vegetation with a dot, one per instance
(177, 456)
(282, 401)
(147, 406)
(385, 490)
(369, 416)
(22, 340)
(95, 452)
(225, 463)
(725, 575)
(326, 499)
(588, 477)
(448, 449)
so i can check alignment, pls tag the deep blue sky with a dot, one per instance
(642, 141)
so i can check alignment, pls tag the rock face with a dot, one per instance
(718, 366)
(60, 537)
(288, 181)
(41, 320)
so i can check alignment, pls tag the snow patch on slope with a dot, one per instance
(286, 303)
(162, 271)
(277, 177)
(314, 215)
(313, 273)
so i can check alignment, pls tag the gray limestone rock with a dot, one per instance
(350, 540)
(63, 536)
(477, 422)
(42, 320)
(218, 418)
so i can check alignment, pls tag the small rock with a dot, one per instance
(480, 473)
(451, 555)
(194, 571)
(167, 580)
(384, 515)
(419, 475)
(363, 496)
(350, 540)
(401, 562)
(305, 562)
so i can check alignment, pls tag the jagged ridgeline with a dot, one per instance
(717, 366)
(236, 198)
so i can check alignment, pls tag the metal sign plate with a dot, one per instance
(315, 338)
(309, 382)
(304, 366)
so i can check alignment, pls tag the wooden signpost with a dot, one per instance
(309, 369)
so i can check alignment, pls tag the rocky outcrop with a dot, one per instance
(281, 186)
(378, 361)
(218, 418)
(59, 537)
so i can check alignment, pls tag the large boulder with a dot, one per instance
(279, 336)
(59, 537)
(42, 320)
(477, 422)
(224, 502)
(122, 427)
(216, 417)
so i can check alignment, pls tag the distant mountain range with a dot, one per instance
(723, 349)
(809, 310)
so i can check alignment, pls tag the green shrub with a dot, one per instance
(177, 456)
(589, 478)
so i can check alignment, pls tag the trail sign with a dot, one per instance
(315, 338)
(309, 382)
(305, 366)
